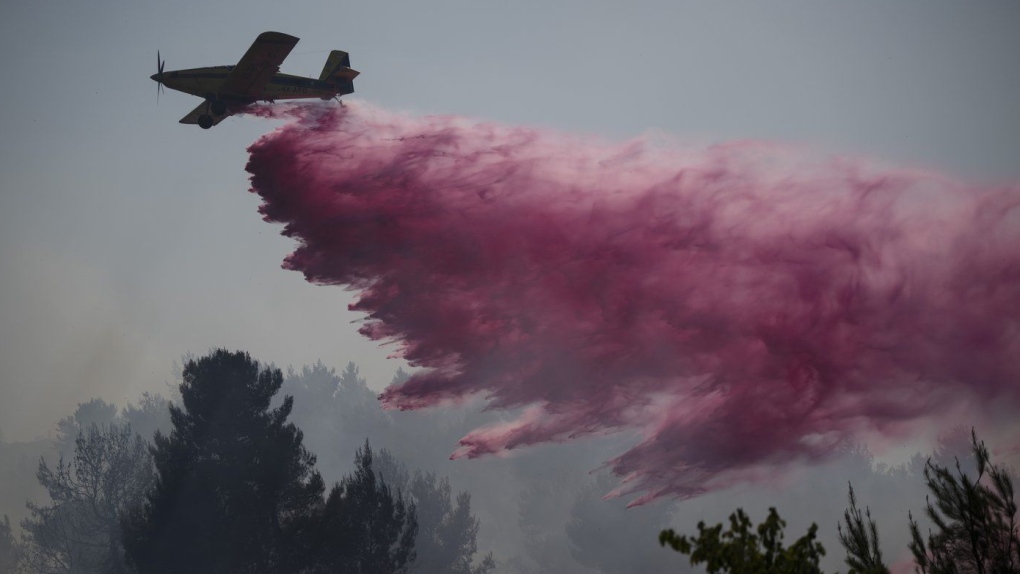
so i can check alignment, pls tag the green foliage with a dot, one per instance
(739, 550)
(861, 540)
(976, 520)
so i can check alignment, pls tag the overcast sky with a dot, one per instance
(127, 239)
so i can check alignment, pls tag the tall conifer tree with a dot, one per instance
(236, 490)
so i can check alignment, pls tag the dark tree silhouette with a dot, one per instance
(366, 528)
(739, 550)
(976, 520)
(236, 490)
(447, 530)
(860, 539)
(79, 531)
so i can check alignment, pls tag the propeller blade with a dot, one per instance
(157, 77)
(160, 62)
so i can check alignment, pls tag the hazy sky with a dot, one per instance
(127, 239)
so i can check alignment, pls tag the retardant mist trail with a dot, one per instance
(742, 306)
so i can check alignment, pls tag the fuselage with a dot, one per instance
(206, 83)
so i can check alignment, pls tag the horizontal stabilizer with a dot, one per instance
(338, 67)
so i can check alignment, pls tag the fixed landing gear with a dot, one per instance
(213, 107)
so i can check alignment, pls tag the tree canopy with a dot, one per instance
(79, 530)
(236, 490)
(975, 520)
(366, 527)
(232, 476)
(446, 542)
(739, 550)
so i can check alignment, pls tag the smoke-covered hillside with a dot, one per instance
(539, 510)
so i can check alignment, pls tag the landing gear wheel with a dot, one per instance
(205, 121)
(219, 108)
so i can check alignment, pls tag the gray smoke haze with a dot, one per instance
(541, 509)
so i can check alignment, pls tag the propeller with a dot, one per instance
(159, 76)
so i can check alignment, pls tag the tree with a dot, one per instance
(607, 536)
(543, 509)
(447, 530)
(739, 551)
(10, 550)
(152, 414)
(79, 531)
(335, 413)
(236, 490)
(863, 554)
(95, 412)
(365, 529)
(976, 520)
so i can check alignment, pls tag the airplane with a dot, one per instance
(229, 89)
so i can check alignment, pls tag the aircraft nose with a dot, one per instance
(154, 77)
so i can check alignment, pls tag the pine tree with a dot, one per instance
(236, 490)
(976, 520)
(863, 554)
(447, 529)
(366, 528)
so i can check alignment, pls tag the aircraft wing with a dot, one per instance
(203, 108)
(258, 65)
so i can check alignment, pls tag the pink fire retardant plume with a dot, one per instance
(742, 306)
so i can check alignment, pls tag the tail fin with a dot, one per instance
(338, 67)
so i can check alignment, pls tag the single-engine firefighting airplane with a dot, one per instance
(228, 89)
